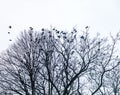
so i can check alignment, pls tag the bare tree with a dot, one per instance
(53, 62)
(112, 82)
(105, 63)
(19, 65)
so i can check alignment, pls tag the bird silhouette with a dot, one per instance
(64, 33)
(58, 36)
(50, 35)
(86, 27)
(31, 28)
(64, 37)
(49, 31)
(10, 40)
(9, 32)
(42, 33)
(57, 31)
(10, 27)
(74, 30)
(42, 29)
(82, 37)
(53, 28)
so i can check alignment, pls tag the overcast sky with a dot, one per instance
(101, 15)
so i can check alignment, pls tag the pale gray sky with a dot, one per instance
(101, 15)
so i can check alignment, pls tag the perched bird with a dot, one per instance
(57, 31)
(86, 27)
(10, 27)
(42, 29)
(58, 36)
(42, 33)
(61, 31)
(50, 35)
(82, 37)
(98, 49)
(64, 37)
(98, 42)
(74, 30)
(49, 32)
(53, 28)
(36, 39)
(64, 33)
(71, 40)
(72, 52)
(30, 33)
(74, 36)
(68, 41)
(10, 40)
(31, 28)
(44, 37)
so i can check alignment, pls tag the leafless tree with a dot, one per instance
(111, 83)
(106, 62)
(53, 62)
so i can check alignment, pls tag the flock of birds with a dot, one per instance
(9, 32)
(31, 28)
(10, 27)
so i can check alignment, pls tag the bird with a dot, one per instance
(75, 36)
(53, 28)
(61, 31)
(42, 29)
(64, 37)
(57, 32)
(86, 27)
(58, 36)
(72, 52)
(71, 40)
(42, 33)
(68, 41)
(50, 35)
(49, 31)
(10, 40)
(31, 28)
(10, 27)
(82, 37)
(36, 39)
(98, 49)
(8, 32)
(98, 42)
(64, 33)
(44, 37)
(74, 30)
